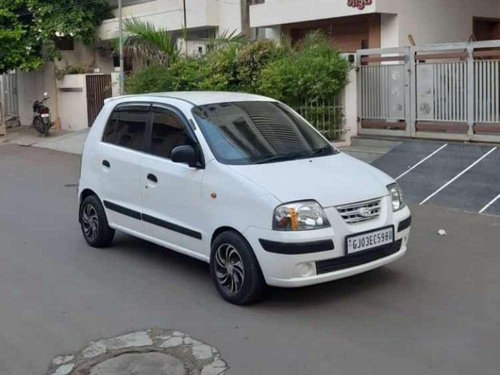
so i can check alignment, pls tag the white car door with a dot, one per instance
(121, 150)
(171, 193)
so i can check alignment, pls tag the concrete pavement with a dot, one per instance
(436, 311)
(58, 140)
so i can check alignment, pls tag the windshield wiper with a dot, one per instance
(322, 150)
(295, 155)
(276, 158)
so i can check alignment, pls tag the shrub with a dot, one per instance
(151, 79)
(182, 75)
(187, 74)
(221, 69)
(314, 71)
(252, 58)
(311, 71)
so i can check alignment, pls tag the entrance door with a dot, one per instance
(98, 89)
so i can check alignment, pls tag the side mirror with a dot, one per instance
(184, 154)
(45, 94)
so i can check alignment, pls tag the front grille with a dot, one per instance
(349, 261)
(361, 211)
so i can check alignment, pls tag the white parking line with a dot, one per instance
(489, 204)
(458, 175)
(421, 161)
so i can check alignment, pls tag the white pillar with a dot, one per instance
(350, 104)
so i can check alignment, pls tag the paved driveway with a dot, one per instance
(455, 175)
(436, 311)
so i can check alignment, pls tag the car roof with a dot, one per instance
(199, 97)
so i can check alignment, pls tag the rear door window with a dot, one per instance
(126, 127)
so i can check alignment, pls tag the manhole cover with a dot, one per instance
(140, 364)
(151, 352)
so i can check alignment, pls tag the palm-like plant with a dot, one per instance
(226, 39)
(143, 40)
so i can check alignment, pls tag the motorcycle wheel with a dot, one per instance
(46, 126)
(38, 125)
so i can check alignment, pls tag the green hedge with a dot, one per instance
(310, 71)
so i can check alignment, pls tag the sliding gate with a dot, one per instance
(439, 91)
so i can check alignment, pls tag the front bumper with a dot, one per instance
(302, 268)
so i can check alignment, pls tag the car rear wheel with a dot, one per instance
(235, 270)
(94, 224)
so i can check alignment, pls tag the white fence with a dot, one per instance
(487, 91)
(449, 91)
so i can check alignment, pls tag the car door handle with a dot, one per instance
(152, 178)
(106, 164)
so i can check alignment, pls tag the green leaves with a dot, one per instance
(310, 71)
(145, 41)
(30, 27)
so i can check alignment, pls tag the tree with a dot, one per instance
(17, 49)
(144, 40)
(29, 29)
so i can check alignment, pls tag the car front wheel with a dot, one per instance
(235, 270)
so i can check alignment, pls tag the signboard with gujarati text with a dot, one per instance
(360, 4)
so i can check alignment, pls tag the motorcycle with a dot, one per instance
(41, 116)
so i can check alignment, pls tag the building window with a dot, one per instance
(127, 62)
(64, 43)
(486, 28)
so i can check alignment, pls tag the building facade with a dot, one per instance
(357, 24)
(351, 25)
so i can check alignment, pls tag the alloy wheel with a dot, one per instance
(229, 268)
(90, 222)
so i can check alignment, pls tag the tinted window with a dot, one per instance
(258, 132)
(168, 132)
(126, 127)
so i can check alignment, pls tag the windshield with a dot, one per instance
(258, 132)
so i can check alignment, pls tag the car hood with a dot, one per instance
(331, 180)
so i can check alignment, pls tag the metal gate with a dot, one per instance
(9, 97)
(98, 89)
(383, 98)
(447, 91)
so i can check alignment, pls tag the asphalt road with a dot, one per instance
(436, 311)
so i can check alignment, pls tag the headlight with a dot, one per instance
(396, 195)
(298, 216)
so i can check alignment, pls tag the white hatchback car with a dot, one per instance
(241, 182)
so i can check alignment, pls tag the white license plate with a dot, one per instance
(44, 115)
(369, 240)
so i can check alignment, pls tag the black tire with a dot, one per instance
(248, 284)
(94, 224)
(38, 125)
(46, 130)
